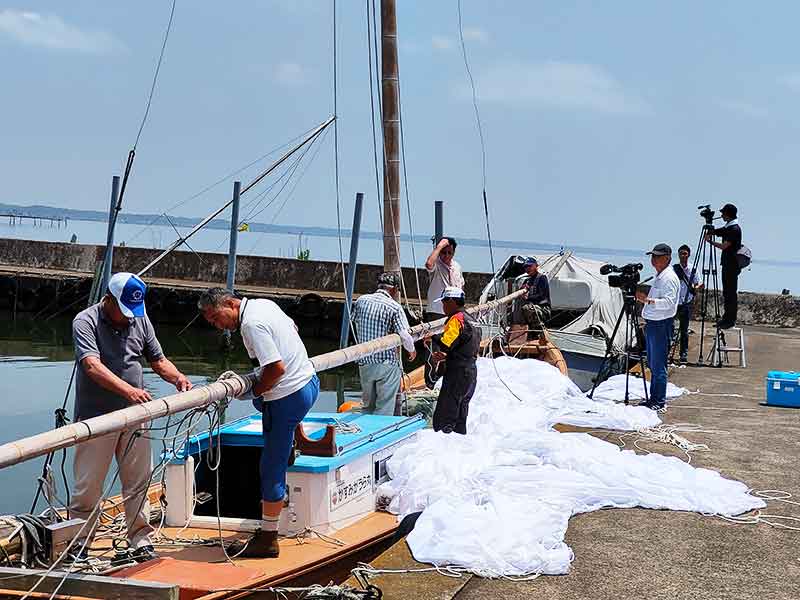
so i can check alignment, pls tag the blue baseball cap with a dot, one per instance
(530, 260)
(129, 291)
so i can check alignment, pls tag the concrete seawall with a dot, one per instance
(32, 272)
(322, 276)
(48, 278)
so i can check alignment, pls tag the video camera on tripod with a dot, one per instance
(707, 214)
(627, 276)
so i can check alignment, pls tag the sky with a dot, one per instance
(606, 124)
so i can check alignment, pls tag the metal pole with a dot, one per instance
(237, 187)
(109, 256)
(350, 285)
(438, 219)
(391, 138)
(351, 270)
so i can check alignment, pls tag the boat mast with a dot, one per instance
(391, 138)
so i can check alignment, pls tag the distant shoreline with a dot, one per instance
(221, 224)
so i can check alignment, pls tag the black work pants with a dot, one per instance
(683, 315)
(452, 407)
(730, 289)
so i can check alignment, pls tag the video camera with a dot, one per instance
(627, 277)
(707, 214)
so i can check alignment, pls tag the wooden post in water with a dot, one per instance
(344, 336)
(109, 256)
(438, 221)
(391, 138)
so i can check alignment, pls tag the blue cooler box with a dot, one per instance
(783, 388)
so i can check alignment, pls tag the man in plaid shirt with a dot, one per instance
(374, 316)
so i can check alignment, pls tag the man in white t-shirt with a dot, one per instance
(443, 272)
(660, 306)
(286, 389)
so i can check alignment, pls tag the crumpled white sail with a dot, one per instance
(498, 500)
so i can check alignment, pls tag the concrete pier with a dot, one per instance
(665, 555)
(49, 277)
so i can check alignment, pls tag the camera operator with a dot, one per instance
(731, 235)
(690, 284)
(660, 306)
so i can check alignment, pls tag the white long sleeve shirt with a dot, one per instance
(664, 294)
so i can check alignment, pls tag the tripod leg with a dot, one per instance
(642, 359)
(609, 349)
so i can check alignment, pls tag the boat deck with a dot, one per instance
(204, 572)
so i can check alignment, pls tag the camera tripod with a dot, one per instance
(706, 259)
(632, 329)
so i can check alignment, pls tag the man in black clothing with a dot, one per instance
(731, 235)
(457, 346)
(536, 303)
(690, 283)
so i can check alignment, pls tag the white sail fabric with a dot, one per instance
(498, 500)
(613, 390)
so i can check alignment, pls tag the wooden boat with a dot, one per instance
(211, 494)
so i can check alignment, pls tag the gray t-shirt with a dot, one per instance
(120, 351)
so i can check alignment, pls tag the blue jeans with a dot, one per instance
(658, 336)
(279, 418)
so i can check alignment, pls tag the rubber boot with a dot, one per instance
(263, 544)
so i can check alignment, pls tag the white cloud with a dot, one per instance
(441, 42)
(744, 109)
(554, 84)
(50, 31)
(290, 74)
(474, 34)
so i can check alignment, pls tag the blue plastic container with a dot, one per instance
(783, 389)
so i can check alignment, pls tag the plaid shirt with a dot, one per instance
(374, 316)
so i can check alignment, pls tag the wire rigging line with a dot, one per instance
(61, 413)
(480, 132)
(218, 182)
(387, 174)
(408, 199)
(370, 27)
(155, 75)
(336, 151)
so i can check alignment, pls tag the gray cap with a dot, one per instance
(661, 250)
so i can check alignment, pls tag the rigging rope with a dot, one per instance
(372, 113)
(480, 133)
(387, 174)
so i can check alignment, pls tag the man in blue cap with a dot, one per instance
(536, 303)
(111, 337)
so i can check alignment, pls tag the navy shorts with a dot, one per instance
(279, 418)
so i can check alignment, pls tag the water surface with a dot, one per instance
(35, 367)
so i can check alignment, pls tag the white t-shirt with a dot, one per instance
(269, 335)
(442, 276)
(664, 292)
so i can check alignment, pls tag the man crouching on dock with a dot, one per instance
(110, 339)
(458, 347)
(286, 389)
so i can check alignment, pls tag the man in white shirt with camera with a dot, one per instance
(660, 306)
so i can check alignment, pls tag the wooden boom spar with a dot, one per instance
(129, 418)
